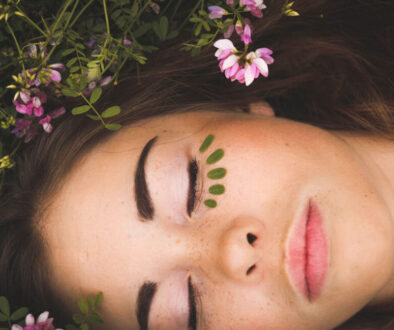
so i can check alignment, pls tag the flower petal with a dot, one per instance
(249, 76)
(229, 61)
(16, 327)
(29, 319)
(55, 75)
(262, 66)
(224, 44)
(224, 54)
(24, 97)
(43, 317)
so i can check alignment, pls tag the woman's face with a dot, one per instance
(239, 260)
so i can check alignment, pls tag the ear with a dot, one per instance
(261, 108)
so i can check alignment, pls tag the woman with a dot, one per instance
(133, 214)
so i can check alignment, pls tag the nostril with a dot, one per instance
(251, 268)
(251, 238)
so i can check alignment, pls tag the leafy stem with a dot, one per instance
(92, 107)
(80, 13)
(17, 46)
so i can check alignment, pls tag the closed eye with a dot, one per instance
(191, 199)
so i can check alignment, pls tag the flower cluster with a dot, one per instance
(242, 66)
(43, 323)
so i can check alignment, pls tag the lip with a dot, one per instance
(307, 253)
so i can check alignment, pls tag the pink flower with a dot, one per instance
(53, 74)
(254, 63)
(43, 323)
(21, 127)
(31, 104)
(230, 2)
(126, 42)
(254, 6)
(246, 35)
(216, 12)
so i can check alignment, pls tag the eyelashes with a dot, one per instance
(191, 200)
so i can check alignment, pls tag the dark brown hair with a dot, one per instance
(333, 69)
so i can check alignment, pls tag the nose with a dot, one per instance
(240, 249)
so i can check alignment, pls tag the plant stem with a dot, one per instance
(17, 45)
(80, 13)
(27, 18)
(191, 13)
(106, 17)
(92, 107)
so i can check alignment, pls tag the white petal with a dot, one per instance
(29, 319)
(43, 317)
(229, 61)
(218, 52)
(16, 327)
(224, 44)
(262, 66)
(249, 76)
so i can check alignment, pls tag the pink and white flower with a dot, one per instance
(30, 102)
(43, 323)
(253, 64)
(246, 35)
(254, 6)
(216, 12)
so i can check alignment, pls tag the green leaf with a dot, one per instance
(99, 299)
(116, 14)
(68, 52)
(111, 111)
(71, 327)
(71, 62)
(216, 189)
(69, 92)
(197, 30)
(195, 20)
(84, 326)
(134, 9)
(95, 318)
(207, 142)
(172, 35)
(215, 156)
(3, 317)
(78, 318)
(95, 95)
(210, 203)
(4, 328)
(74, 69)
(80, 110)
(83, 82)
(80, 46)
(206, 26)
(4, 306)
(90, 301)
(94, 117)
(142, 29)
(19, 313)
(83, 306)
(217, 173)
(113, 127)
(164, 26)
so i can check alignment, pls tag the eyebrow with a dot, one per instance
(143, 199)
(144, 302)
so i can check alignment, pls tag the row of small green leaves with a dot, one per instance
(88, 315)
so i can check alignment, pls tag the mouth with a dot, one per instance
(307, 253)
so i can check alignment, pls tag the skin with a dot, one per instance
(97, 242)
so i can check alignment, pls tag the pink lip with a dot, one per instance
(307, 253)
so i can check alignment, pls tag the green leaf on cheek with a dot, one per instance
(207, 142)
(210, 203)
(216, 189)
(217, 173)
(215, 156)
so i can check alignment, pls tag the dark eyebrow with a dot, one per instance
(142, 196)
(144, 301)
